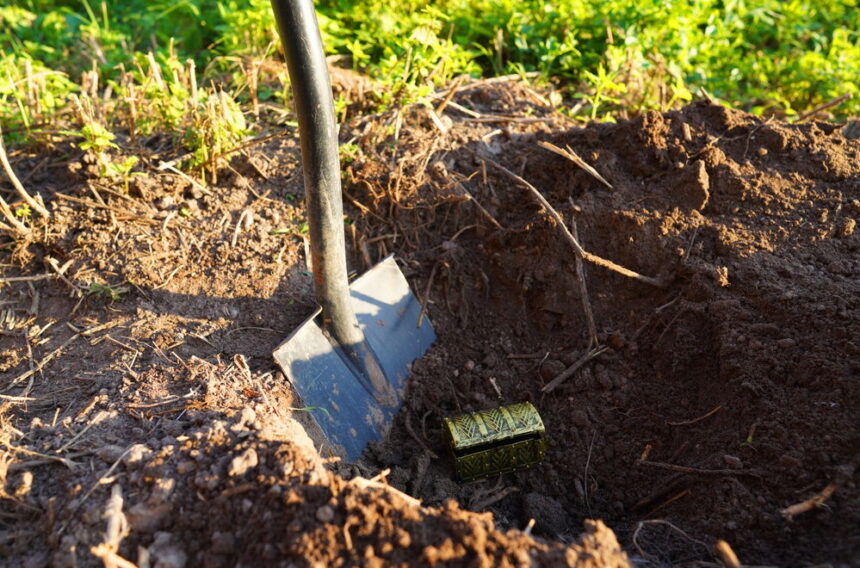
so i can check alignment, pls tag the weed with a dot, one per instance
(309, 408)
(138, 60)
(123, 170)
(23, 211)
(349, 152)
(112, 292)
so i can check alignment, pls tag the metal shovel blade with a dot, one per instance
(388, 313)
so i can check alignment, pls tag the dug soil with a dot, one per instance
(701, 386)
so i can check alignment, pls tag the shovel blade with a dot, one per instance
(347, 414)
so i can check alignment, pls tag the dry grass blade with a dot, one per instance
(450, 95)
(41, 363)
(28, 199)
(35, 278)
(16, 398)
(16, 226)
(568, 153)
(652, 522)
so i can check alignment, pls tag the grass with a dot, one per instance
(110, 75)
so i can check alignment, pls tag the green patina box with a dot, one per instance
(495, 441)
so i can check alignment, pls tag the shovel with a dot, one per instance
(352, 357)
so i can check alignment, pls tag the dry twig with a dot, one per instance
(568, 153)
(117, 529)
(843, 474)
(810, 504)
(494, 498)
(16, 227)
(696, 470)
(426, 299)
(694, 420)
(103, 479)
(593, 341)
(480, 207)
(567, 373)
(829, 104)
(593, 258)
(415, 437)
(376, 483)
(449, 95)
(726, 554)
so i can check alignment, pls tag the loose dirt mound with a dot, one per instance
(725, 397)
(156, 425)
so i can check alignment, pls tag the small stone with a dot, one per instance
(286, 466)
(25, 483)
(223, 542)
(110, 453)
(846, 227)
(147, 518)
(470, 365)
(580, 418)
(66, 555)
(206, 480)
(551, 368)
(616, 340)
(137, 455)
(242, 463)
(786, 343)
(732, 461)
(570, 357)
(269, 551)
(247, 505)
(165, 554)
(185, 466)
(604, 381)
(165, 202)
(693, 187)
(246, 419)
(550, 517)
(789, 461)
(491, 360)
(163, 489)
(325, 514)
(762, 151)
(37, 559)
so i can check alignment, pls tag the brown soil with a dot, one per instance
(156, 423)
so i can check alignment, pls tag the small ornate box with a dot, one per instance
(495, 441)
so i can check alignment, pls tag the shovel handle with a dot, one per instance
(309, 79)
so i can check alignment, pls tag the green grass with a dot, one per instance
(618, 57)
